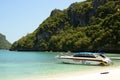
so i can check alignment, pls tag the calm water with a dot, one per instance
(15, 65)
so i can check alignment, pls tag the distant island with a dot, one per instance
(92, 25)
(4, 44)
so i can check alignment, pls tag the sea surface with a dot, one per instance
(14, 65)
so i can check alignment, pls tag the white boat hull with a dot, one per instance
(77, 61)
(82, 60)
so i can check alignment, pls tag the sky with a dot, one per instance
(20, 17)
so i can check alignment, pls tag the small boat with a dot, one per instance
(87, 58)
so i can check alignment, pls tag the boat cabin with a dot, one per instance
(84, 55)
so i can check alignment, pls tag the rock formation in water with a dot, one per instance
(92, 25)
(4, 44)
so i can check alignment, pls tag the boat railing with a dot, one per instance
(65, 54)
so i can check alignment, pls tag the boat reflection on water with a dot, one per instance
(86, 58)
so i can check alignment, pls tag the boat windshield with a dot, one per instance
(102, 56)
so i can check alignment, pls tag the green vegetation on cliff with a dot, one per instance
(84, 26)
(4, 44)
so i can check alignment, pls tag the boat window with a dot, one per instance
(84, 55)
(102, 56)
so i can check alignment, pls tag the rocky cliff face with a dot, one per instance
(97, 3)
(80, 16)
(83, 26)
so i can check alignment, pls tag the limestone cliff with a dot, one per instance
(91, 25)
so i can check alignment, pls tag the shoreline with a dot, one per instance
(107, 73)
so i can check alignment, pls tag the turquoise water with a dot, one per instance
(23, 64)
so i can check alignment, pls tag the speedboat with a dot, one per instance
(87, 58)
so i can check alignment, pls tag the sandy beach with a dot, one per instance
(107, 73)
